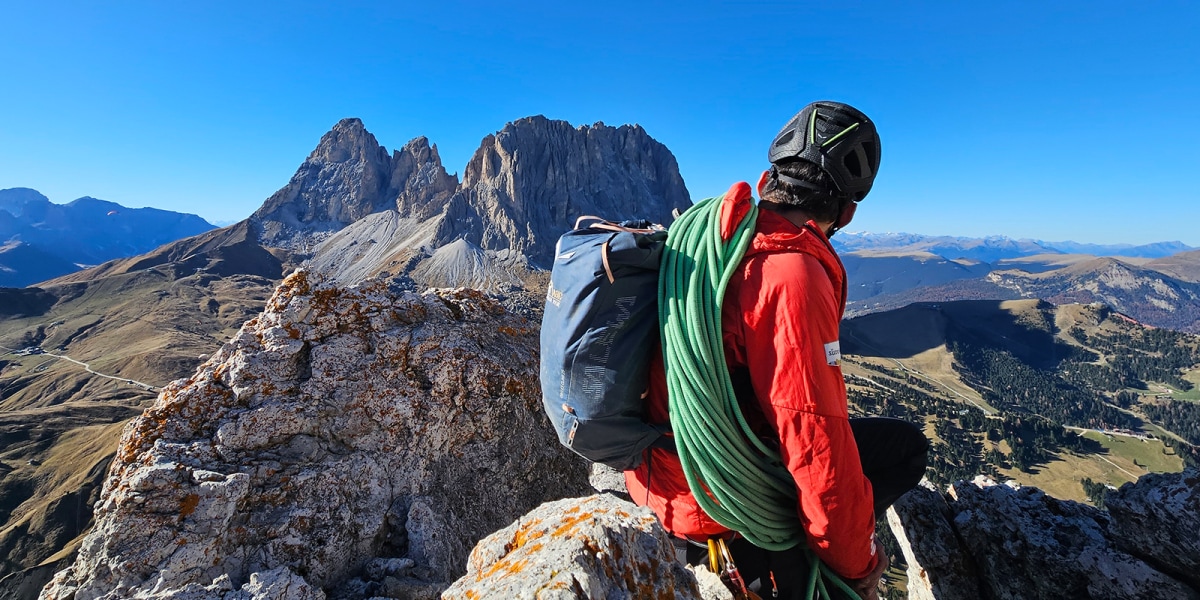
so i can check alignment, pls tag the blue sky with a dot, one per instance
(1072, 120)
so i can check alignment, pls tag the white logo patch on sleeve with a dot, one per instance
(833, 353)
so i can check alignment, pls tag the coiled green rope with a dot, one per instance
(737, 480)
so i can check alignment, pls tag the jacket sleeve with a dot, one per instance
(790, 315)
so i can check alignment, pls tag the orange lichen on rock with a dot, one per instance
(524, 534)
(571, 522)
(190, 502)
(509, 568)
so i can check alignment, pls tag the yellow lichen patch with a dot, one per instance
(509, 568)
(524, 534)
(294, 285)
(190, 502)
(570, 523)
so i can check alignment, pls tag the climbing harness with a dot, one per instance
(720, 561)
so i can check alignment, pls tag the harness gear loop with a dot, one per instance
(721, 562)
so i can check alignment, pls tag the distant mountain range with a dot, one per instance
(40, 240)
(1162, 292)
(993, 248)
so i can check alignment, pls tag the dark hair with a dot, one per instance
(822, 206)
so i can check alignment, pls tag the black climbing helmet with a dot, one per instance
(836, 137)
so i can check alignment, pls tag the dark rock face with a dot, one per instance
(921, 521)
(347, 177)
(1020, 543)
(422, 183)
(1158, 520)
(527, 184)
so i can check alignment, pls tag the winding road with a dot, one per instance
(89, 369)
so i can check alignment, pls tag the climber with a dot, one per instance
(779, 324)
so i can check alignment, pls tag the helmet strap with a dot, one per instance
(839, 224)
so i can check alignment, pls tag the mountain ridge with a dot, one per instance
(85, 231)
(996, 247)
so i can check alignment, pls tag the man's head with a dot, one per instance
(823, 161)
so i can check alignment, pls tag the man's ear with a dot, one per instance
(762, 182)
(847, 215)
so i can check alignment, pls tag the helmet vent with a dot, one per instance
(871, 151)
(785, 139)
(852, 165)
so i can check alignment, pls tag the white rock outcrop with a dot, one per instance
(340, 427)
(583, 548)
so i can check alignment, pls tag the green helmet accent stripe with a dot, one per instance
(812, 127)
(836, 137)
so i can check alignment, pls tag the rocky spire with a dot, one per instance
(347, 177)
(528, 183)
(422, 182)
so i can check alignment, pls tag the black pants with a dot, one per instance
(893, 457)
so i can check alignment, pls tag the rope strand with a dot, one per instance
(737, 479)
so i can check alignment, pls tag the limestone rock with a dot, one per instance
(937, 566)
(339, 427)
(527, 184)
(1157, 519)
(1023, 544)
(422, 184)
(607, 479)
(523, 188)
(594, 547)
(347, 177)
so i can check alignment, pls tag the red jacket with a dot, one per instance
(780, 321)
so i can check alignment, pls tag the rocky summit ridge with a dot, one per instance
(340, 427)
(348, 176)
(371, 442)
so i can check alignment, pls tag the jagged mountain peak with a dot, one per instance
(347, 140)
(421, 145)
(523, 187)
(422, 184)
(348, 176)
(527, 183)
